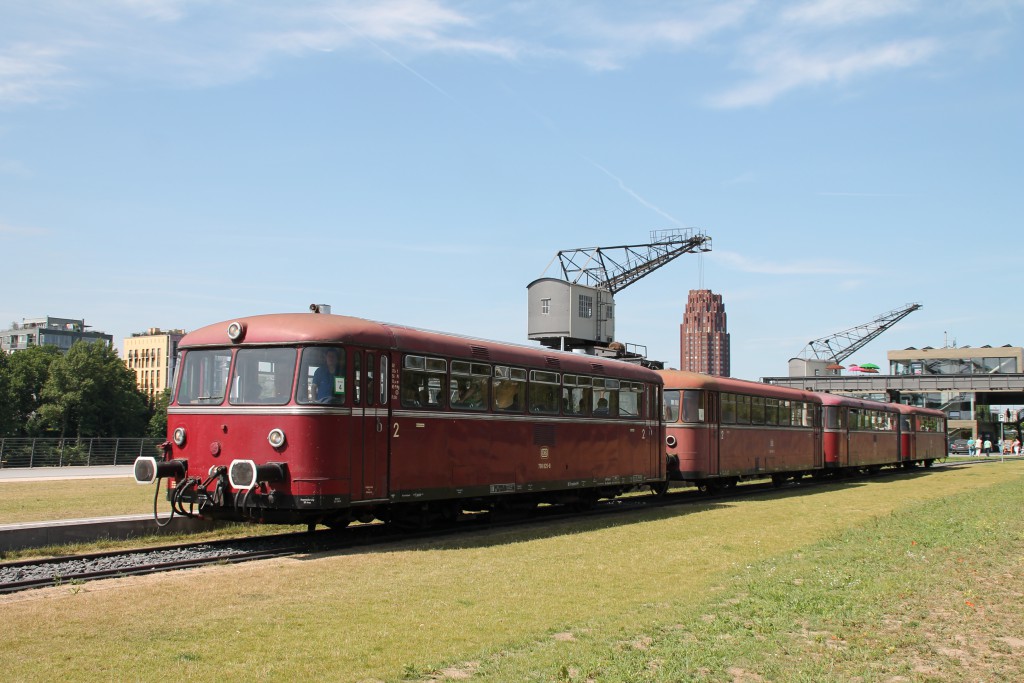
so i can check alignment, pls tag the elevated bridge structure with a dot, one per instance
(988, 389)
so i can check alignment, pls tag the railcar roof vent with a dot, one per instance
(597, 367)
(553, 362)
(480, 352)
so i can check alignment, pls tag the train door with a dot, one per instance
(818, 427)
(713, 433)
(371, 425)
(656, 443)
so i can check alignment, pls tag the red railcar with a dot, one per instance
(326, 418)
(719, 430)
(922, 435)
(860, 434)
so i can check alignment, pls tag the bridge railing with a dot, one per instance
(22, 452)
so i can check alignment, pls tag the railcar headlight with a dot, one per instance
(236, 331)
(179, 436)
(276, 438)
(670, 441)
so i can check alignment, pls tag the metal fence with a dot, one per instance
(70, 452)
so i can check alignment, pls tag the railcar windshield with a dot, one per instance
(321, 375)
(204, 377)
(262, 376)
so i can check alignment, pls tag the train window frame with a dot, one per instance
(424, 382)
(508, 378)
(692, 407)
(576, 391)
(469, 384)
(728, 408)
(742, 409)
(771, 411)
(543, 393)
(757, 410)
(605, 389)
(785, 408)
(631, 400)
(256, 379)
(214, 366)
(311, 361)
(357, 378)
(671, 405)
(382, 385)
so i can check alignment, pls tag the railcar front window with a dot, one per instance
(262, 376)
(204, 377)
(321, 375)
(693, 406)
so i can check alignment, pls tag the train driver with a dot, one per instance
(324, 379)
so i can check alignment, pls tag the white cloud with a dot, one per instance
(839, 12)
(780, 70)
(29, 71)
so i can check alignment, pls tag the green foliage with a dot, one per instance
(22, 376)
(158, 422)
(89, 392)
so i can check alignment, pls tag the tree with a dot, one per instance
(7, 421)
(89, 392)
(158, 422)
(28, 370)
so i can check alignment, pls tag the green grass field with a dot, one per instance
(38, 501)
(910, 577)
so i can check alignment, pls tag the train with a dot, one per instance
(315, 418)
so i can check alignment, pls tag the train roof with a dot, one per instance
(850, 402)
(917, 410)
(680, 379)
(320, 328)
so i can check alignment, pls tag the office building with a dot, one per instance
(703, 339)
(152, 356)
(49, 331)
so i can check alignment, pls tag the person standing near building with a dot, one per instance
(970, 446)
(987, 448)
(1016, 446)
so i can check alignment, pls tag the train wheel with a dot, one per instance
(929, 463)
(659, 488)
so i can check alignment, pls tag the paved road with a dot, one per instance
(52, 473)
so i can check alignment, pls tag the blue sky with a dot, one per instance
(175, 163)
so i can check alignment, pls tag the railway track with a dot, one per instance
(73, 570)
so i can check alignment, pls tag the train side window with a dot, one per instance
(544, 392)
(423, 382)
(357, 379)
(606, 397)
(771, 411)
(321, 375)
(670, 403)
(508, 389)
(576, 394)
(370, 377)
(757, 410)
(382, 383)
(204, 377)
(742, 409)
(797, 414)
(262, 376)
(630, 399)
(469, 384)
(728, 409)
(693, 405)
(785, 412)
(905, 423)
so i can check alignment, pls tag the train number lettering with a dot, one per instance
(543, 466)
(396, 430)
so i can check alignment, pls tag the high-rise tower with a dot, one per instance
(703, 340)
